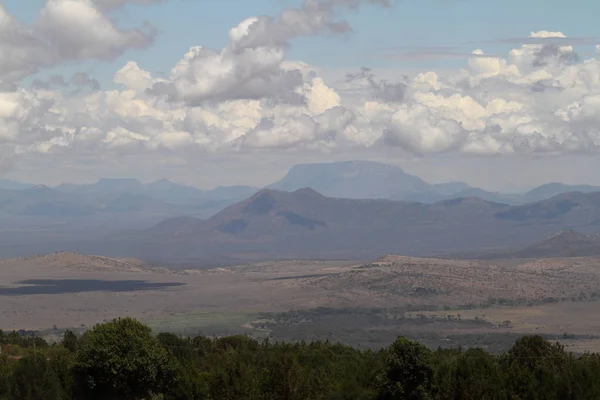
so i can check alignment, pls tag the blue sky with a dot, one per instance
(408, 23)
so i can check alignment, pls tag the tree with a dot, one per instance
(34, 379)
(408, 373)
(477, 376)
(121, 360)
(536, 369)
(69, 341)
(5, 377)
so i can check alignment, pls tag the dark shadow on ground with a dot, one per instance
(63, 286)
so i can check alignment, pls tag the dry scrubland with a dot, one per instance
(359, 302)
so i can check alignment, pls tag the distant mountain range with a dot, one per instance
(347, 179)
(163, 189)
(274, 224)
(371, 180)
(162, 198)
(338, 210)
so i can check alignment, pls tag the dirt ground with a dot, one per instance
(548, 296)
(37, 294)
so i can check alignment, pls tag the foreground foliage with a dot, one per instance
(122, 360)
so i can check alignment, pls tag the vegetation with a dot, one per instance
(122, 360)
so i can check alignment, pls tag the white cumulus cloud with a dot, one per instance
(247, 96)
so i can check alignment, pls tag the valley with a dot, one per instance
(362, 303)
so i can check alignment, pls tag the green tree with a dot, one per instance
(60, 361)
(5, 377)
(34, 379)
(121, 360)
(478, 376)
(408, 372)
(536, 369)
(69, 341)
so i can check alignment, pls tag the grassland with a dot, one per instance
(364, 304)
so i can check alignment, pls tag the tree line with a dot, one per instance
(122, 360)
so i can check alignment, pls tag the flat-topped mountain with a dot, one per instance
(352, 179)
(373, 180)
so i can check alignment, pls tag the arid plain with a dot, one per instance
(365, 303)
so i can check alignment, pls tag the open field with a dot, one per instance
(365, 304)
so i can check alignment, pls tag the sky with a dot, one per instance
(502, 95)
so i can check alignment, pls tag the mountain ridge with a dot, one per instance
(277, 224)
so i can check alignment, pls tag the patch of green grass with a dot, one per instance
(205, 323)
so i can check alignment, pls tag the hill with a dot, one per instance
(81, 262)
(564, 243)
(304, 223)
(554, 188)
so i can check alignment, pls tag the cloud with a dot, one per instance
(542, 38)
(381, 89)
(76, 29)
(540, 98)
(65, 31)
(114, 4)
(252, 65)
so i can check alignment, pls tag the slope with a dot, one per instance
(304, 223)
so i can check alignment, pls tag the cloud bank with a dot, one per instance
(540, 98)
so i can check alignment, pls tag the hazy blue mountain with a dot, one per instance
(552, 189)
(169, 191)
(162, 189)
(353, 180)
(104, 186)
(157, 197)
(371, 180)
(239, 192)
(450, 188)
(42, 201)
(9, 184)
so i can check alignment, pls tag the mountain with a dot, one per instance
(43, 201)
(191, 200)
(436, 196)
(569, 209)
(372, 180)
(352, 179)
(304, 223)
(552, 189)
(104, 186)
(7, 184)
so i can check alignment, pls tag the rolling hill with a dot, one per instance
(304, 223)
(564, 243)
(548, 190)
